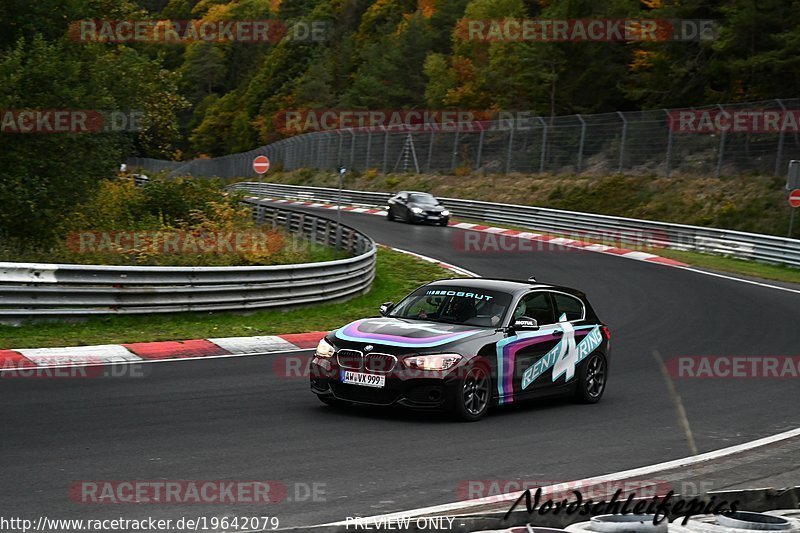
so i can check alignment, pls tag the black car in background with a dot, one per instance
(464, 345)
(417, 207)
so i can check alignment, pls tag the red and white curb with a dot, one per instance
(540, 237)
(142, 352)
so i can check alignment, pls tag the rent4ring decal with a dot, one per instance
(564, 356)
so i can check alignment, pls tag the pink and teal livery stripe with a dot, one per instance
(507, 355)
(353, 332)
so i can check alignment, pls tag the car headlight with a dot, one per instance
(441, 361)
(416, 210)
(445, 213)
(324, 349)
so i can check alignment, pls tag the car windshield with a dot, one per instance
(454, 305)
(425, 199)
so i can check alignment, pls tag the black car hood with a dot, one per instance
(402, 333)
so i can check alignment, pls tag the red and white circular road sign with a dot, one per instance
(794, 198)
(261, 164)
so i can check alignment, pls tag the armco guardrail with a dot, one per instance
(583, 226)
(32, 290)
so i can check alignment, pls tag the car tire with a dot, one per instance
(592, 379)
(389, 216)
(333, 402)
(443, 222)
(473, 395)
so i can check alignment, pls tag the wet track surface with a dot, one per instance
(237, 419)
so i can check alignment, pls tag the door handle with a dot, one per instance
(557, 333)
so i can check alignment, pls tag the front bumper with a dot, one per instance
(423, 218)
(425, 390)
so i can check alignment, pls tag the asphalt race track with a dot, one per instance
(235, 419)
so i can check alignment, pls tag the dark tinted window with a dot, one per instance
(568, 305)
(423, 199)
(537, 306)
(454, 305)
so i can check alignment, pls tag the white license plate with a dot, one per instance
(365, 380)
(433, 217)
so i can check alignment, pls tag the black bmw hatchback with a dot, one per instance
(418, 208)
(465, 345)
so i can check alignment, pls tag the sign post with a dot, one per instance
(342, 172)
(261, 166)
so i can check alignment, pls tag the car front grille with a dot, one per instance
(351, 359)
(380, 362)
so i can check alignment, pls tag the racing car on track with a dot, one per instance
(465, 345)
(417, 208)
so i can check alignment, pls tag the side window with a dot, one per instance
(568, 305)
(537, 306)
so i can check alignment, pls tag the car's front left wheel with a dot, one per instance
(473, 394)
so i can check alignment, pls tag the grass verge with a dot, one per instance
(396, 275)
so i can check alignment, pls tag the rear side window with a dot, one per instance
(568, 305)
(537, 306)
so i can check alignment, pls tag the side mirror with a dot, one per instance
(525, 323)
(385, 308)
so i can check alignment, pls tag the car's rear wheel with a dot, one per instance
(473, 394)
(592, 377)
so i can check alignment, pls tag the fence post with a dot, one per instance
(339, 151)
(544, 145)
(369, 148)
(779, 155)
(352, 147)
(430, 151)
(721, 155)
(669, 144)
(622, 139)
(480, 149)
(580, 145)
(385, 148)
(319, 150)
(455, 151)
(510, 148)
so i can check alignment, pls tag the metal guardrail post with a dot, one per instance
(352, 147)
(622, 140)
(721, 154)
(510, 151)
(543, 156)
(668, 161)
(480, 149)
(455, 151)
(779, 155)
(369, 147)
(385, 149)
(580, 145)
(430, 150)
